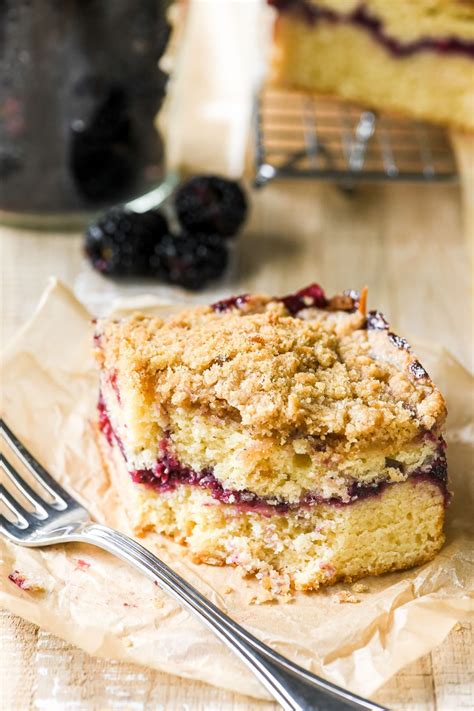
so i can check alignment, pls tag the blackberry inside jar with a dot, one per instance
(80, 89)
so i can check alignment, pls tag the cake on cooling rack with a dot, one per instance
(415, 57)
(295, 437)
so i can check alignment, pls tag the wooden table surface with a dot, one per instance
(408, 245)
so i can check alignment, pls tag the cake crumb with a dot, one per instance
(360, 588)
(346, 596)
(23, 583)
(457, 627)
(228, 590)
(271, 595)
(264, 600)
(128, 643)
(265, 596)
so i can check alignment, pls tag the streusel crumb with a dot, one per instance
(321, 374)
(344, 596)
(360, 588)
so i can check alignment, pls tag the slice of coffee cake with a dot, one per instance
(295, 437)
(410, 56)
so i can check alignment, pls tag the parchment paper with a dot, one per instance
(100, 604)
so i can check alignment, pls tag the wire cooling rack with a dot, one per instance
(303, 136)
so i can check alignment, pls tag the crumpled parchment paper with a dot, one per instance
(103, 606)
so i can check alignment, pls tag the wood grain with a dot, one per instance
(407, 243)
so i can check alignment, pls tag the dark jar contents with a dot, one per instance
(80, 89)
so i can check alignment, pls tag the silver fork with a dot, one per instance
(64, 520)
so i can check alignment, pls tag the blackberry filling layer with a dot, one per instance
(361, 17)
(169, 473)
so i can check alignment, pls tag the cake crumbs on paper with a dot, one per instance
(228, 590)
(265, 597)
(128, 643)
(346, 596)
(22, 582)
(260, 599)
(360, 588)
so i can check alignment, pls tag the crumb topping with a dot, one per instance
(320, 374)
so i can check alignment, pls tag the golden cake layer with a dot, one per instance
(296, 550)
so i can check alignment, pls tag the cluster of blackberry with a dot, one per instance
(210, 210)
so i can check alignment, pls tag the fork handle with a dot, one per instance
(292, 686)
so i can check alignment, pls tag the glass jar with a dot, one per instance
(80, 89)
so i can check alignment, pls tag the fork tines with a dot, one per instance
(42, 507)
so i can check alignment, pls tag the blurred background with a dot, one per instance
(146, 148)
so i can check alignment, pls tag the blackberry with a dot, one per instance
(122, 243)
(190, 261)
(210, 205)
(104, 151)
